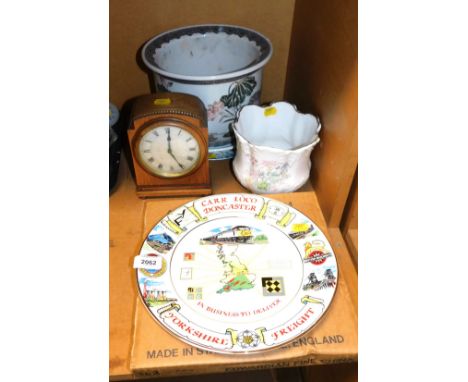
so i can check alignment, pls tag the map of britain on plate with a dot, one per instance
(238, 273)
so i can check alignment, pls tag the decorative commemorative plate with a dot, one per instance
(236, 273)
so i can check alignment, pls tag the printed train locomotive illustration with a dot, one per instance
(160, 242)
(236, 235)
(302, 233)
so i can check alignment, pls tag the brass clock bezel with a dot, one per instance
(174, 122)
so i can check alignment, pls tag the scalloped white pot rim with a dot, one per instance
(282, 104)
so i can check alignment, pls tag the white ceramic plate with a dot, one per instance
(237, 273)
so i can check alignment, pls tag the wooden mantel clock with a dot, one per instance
(168, 138)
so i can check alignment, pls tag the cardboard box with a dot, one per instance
(155, 352)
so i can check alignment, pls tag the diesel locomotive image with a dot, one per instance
(302, 233)
(160, 242)
(236, 235)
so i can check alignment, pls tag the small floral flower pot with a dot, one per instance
(220, 64)
(274, 144)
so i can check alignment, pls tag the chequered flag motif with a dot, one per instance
(273, 286)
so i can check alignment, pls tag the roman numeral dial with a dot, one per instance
(168, 151)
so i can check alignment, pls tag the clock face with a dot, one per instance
(168, 150)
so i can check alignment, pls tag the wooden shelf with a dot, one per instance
(126, 214)
(301, 31)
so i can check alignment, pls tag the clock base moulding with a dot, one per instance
(193, 184)
(148, 192)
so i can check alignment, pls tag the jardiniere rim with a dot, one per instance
(266, 50)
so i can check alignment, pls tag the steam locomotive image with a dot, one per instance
(240, 234)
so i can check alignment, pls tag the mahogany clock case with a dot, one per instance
(176, 109)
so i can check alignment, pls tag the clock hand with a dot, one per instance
(172, 155)
(169, 149)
